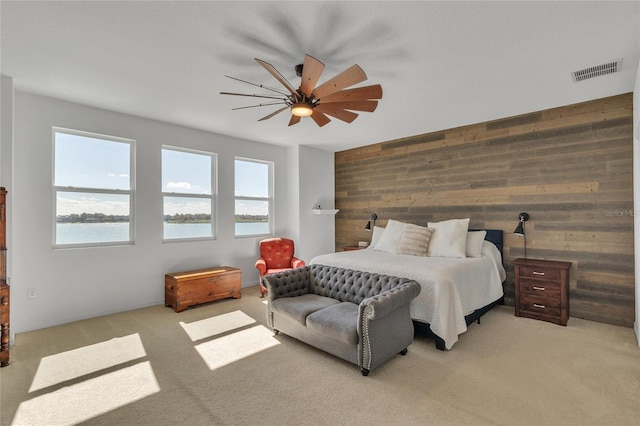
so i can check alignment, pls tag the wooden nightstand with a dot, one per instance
(349, 248)
(542, 289)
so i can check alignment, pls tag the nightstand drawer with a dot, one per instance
(539, 273)
(538, 305)
(540, 288)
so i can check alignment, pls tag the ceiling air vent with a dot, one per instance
(596, 70)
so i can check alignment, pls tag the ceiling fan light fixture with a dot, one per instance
(338, 100)
(302, 110)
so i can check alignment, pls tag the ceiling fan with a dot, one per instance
(331, 98)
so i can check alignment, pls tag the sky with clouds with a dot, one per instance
(89, 162)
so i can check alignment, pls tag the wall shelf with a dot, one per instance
(325, 211)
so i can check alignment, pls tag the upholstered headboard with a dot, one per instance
(494, 236)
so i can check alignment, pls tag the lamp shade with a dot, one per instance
(373, 218)
(519, 229)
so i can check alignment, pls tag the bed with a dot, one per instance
(455, 291)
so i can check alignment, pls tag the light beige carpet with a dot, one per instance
(218, 364)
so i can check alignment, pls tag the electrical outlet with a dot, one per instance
(32, 293)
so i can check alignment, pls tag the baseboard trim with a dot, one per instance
(67, 320)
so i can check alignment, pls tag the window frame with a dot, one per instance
(57, 188)
(213, 196)
(270, 198)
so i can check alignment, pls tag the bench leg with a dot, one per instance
(364, 371)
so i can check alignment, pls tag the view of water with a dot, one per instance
(252, 228)
(79, 233)
(186, 230)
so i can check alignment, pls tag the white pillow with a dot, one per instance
(377, 233)
(414, 240)
(449, 238)
(390, 239)
(474, 243)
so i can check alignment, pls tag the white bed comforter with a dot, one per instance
(451, 287)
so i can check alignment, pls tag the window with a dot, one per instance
(93, 189)
(254, 197)
(188, 183)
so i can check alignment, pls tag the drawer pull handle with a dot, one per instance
(538, 288)
(538, 273)
(535, 305)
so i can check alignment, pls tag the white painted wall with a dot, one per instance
(293, 198)
(74, 284)
(311, 183)
(636, 197)
(6, 128)
(6, 160)
(6, 156)
(317, 183)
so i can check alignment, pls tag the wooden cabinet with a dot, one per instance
(349, 248)
(5, 295)
(185, 289)
(542, 290)
(4, 324)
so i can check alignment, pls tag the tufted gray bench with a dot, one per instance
(358, 316)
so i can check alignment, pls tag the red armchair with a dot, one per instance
(276, 254)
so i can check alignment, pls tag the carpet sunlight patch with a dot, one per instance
(64, 366)
(219, 324)
(236, 346)
(90, 398)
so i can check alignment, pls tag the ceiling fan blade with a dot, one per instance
(261, 105)
(359, 93)
(311, 71)
(266, 117)
(253, 95)
(320, 118)
(295, 119)
(349, 77)
(262, 86)
(367, 106)
(338, 113)
(274, 72)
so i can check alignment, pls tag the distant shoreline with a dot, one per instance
(125, 219)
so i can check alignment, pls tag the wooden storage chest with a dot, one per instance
(185, 289)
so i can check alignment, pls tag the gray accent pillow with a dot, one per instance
(415, 240)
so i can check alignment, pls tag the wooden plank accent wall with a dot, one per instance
(570, 168)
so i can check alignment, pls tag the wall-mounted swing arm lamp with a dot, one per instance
(520, 230)
(373, 218)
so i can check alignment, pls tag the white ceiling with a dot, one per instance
(441, 64)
